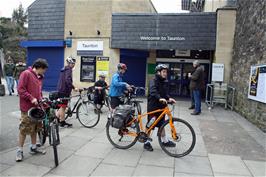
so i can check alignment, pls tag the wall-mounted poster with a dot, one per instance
(87, 70)
(257, 83)
(102, 67)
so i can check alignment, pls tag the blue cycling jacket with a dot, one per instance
(117, 87)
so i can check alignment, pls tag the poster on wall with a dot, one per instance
(217, 72)
(102, 67)
(87, 70)
(257, 83)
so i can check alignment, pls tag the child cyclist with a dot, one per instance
(157, 99)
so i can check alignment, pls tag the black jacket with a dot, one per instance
(158, 89)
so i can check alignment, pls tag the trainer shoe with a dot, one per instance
(19, 156)
(64, 124)
(148, 146)
(169, 144)
(36, 151)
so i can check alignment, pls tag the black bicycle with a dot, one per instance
(84, 108)
(131, 98)
(50, 125)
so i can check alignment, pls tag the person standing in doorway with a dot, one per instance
(9, 69)
(19, 68)
(196, 85)
(192, 106)
(64, 88)
(30, 92)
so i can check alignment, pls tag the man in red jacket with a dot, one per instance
(30, 91)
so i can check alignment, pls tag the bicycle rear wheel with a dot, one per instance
(88, 115)
(121, 138)
(55, 142)
(185, 141)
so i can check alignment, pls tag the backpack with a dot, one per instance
(122, 115)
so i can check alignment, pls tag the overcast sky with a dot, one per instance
(162, 6)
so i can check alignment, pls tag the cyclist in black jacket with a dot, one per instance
(100, 91)
(157, 99)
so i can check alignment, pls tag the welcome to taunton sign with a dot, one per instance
(190, 31)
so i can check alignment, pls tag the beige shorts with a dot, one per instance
(27, 127)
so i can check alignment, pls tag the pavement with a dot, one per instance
(227, 145)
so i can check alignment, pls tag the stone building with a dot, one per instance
(249, 49)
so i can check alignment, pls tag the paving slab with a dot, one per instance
(3, 167)
(25, 169)
(47, 160)
(199, 149)
(123, 157)
(231, 165)
(157, 158)
(193, 165)
(112, 170)
(145, 170)
(85, 133)
(257, 168)
(76, 166)
(72, 142)
(189, 175)
(94, 149)
(230, 139)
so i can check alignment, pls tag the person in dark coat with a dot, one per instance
(20, 67)
(196, 85)
(100, 91)
(9, 69)
(65, 87)
(157, 99)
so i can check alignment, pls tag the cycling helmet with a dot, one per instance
(102, 75)
(160, 67)
(121, 66)
(71, 60)
(36, 114)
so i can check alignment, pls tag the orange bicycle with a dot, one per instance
(177, 130)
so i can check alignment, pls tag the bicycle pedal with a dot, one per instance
(149, 139)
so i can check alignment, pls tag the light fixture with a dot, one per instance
(98, 32)
(70, 33)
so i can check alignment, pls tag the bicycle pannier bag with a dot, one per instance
(122, 115)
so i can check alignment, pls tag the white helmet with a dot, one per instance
(71, 60)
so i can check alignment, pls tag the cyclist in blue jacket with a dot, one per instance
(118, 87)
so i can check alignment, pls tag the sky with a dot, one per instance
(162, 6)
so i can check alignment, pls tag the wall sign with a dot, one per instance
(217, 72)
(102, 67)
(87, 69)
(162, 38)
(90, 48)
(257, 83)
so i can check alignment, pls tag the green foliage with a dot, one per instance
(12, 31)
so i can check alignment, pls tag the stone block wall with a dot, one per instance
(249, 49)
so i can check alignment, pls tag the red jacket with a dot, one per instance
(29, 87)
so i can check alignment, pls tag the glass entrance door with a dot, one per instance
(175, 78)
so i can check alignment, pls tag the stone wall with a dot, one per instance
(249, 49)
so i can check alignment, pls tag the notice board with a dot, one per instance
(257, 83)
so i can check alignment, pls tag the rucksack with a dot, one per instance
(123, 114)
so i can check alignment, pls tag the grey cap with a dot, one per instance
(196, 62)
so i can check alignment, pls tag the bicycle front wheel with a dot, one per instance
(183, 139)
(88, 115)
(121, 138)
(55, 142)
(43, 134)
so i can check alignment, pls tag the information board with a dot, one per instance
(217, 72)
(257, 83)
